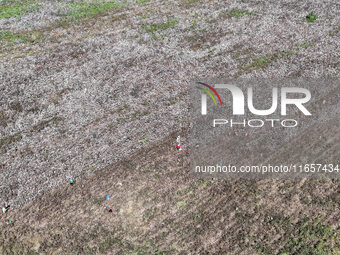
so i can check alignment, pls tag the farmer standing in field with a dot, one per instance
(5, 208)
(178, 140)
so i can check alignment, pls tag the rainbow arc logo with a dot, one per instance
(209, 93)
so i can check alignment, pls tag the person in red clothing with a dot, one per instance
(178, 140)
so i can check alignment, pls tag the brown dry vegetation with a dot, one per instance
(158, 208)
(125, 68)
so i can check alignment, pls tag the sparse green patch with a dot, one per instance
(181, 204)
(259, 63)
(156, 28)
(161, 253)
(239, 13)
(263, 249)
(88, 9)
(9, 36)
(91, 169)
(236, 13)
(190, 3)
(142, 1)
(16, 9)
(334, 32)
(21, 55)
(263, 62)
(312, 237)
(73, 10)
(3, 119)
(140, 114)
(42, 125)
(98, 200)
(9, 39)
(195, 26)
(6, 140)
(311, 17)
(16, 106)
